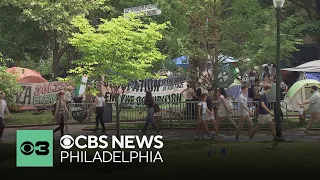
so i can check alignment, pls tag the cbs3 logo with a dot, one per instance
(41, 148)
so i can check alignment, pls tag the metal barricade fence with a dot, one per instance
(172, 114)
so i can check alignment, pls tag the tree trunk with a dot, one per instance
(118, 111)
(56, 59)
(57, 54)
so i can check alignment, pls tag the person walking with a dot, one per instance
(202, 118)
(256, 96)
(265, 114)
(210, 116)
(244, 112)
(3, 109)
(314, 107)
(99, 104)
(61, 113)
(224, 111)
(189, 97)
(150, 104)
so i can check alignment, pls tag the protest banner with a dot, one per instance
(35, 94)
(163, 90)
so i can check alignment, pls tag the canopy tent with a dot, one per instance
(312, 75)
(312, 66)
(298, 93)
(25, 75)
(182, 61)
(226, 59)
(234, 90)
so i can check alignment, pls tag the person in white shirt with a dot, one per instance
(314, 107)
(3, 108)
(202, 118)
(68, 95)
(99, 105)
(244, 112)
(189, 97)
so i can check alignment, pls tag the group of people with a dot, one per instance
(225, 111)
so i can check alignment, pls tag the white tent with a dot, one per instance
(298, 93)
(312, 66)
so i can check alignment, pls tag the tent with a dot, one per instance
(298, 93)
(234, 90)
(182, 61)
(312, 66)
(25, 75)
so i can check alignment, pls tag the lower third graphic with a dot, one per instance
(34, 148)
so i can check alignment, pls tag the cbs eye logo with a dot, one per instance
(66, 142)
(41, 148)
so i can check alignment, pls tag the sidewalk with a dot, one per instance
(9, 135)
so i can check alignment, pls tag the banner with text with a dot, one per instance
(163, 90)
(34, 94)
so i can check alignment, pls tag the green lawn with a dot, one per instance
(187, 158)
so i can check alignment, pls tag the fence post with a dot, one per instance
(170, 118)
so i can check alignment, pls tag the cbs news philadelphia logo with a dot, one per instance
(34, 148)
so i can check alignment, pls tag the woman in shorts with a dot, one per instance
(225, 108)
(202, 118)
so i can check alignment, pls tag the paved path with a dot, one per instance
(296, 136)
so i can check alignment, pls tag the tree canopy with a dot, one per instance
(122, 49)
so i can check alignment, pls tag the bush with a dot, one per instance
(8, 83)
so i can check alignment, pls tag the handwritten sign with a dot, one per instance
(78, 112)
(163, 90)
(39, 93)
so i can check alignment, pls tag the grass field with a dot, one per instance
(188, 159)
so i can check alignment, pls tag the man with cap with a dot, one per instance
(314, 107)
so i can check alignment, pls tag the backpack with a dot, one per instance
(250, 92)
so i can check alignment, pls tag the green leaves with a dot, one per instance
(122, 49)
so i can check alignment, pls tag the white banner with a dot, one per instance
(149, 10)
(163, 90)
(34, 94)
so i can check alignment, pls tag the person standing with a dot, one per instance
(314, 107)
(89, 100)
(150, 103)
(244, 112)
(265, 115)
(3, 109)
(225, 111)
(99, 103)
(61, 113)
(190, 93)
(202, 118)
(68, 95)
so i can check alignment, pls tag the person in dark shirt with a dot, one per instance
(265, 115)
(211, 117)
(149, 102)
